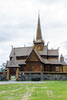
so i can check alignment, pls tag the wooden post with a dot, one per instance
(17, 72)
(7, 73)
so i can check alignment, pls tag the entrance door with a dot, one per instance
(12, 73)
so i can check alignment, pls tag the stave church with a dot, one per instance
(36, 62)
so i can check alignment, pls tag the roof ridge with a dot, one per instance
(22, 47)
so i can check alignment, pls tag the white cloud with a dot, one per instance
(18, 23)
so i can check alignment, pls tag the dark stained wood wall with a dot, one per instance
(34, 66)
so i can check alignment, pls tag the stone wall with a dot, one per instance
(41, 77)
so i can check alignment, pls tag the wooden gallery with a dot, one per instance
(36, 62)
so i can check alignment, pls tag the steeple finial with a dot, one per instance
(39, 34)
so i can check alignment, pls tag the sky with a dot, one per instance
(18, 24)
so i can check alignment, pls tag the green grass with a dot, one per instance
(49, 90)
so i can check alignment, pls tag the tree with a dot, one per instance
(3, 67)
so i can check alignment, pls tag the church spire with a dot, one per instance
(38, 34)
(38, 43)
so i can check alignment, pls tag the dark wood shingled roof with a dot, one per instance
(45, 61)
(13, 62)
(22, 51)
(53, 52)
(25, 51)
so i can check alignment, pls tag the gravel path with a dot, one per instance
(13, 82)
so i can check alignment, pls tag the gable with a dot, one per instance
(33, 57)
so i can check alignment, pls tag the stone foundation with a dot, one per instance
(41, 77)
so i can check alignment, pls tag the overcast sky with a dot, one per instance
(18, 24)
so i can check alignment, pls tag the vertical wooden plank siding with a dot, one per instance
(7, 73)
(17, 72)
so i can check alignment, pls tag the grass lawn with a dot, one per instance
(49, 90)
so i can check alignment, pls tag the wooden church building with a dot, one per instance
(35, 60)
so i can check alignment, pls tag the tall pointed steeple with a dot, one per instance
(38, 43)
(38, 34)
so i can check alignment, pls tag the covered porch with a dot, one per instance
(12, 71)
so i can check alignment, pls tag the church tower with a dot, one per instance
(38, 43)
